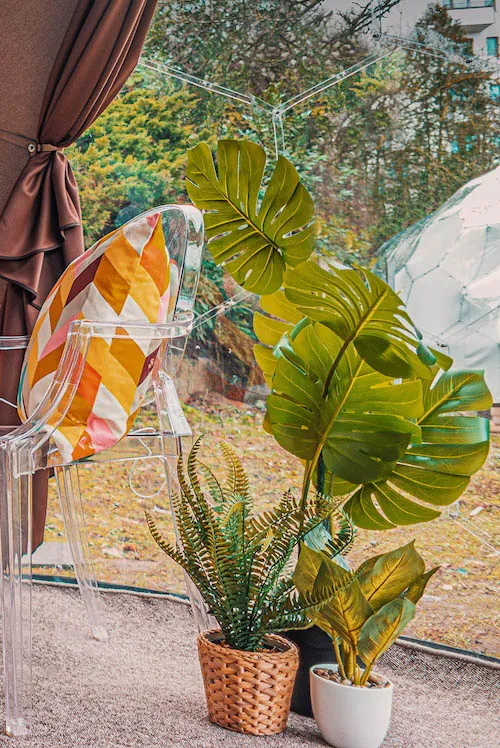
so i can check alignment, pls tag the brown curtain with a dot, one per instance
(40, 224)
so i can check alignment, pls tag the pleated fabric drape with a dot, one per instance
(40, 224)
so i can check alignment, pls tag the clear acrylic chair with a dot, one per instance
(30, 448)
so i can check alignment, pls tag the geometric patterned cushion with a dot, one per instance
(124, 277)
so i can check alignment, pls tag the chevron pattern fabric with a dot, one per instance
(123, 278)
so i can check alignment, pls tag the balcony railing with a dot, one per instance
(463, 4)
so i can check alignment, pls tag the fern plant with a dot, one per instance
(239, 559)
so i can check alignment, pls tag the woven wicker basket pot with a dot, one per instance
(248, 692)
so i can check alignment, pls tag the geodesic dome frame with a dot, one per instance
(447, 270)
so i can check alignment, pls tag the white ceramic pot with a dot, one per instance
(350, 717)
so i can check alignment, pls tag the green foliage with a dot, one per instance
(379, 151)
(244, 45)
(254, 237)
(361, 309)
(239, 559)
(370, 607)
(419, 127)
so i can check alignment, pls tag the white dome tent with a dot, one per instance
(447, 270)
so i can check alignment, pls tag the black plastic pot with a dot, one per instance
(315, 647)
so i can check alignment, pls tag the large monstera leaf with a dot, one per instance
(254, 236)
(281, 318)
(326, 400)
(435, 471)
(361, 308)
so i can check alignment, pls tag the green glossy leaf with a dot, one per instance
(417, 588)
(255, 239)
(304, 577)
(269, 330)
(362, 308)
(383, 628)
(325, 397)
(437, 471)
(347, 610)
(384, 578)
(307, 568)
(455, 391)
(278, 305)
(266, 361)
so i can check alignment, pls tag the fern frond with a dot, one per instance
(163, 543)
(236, 478)
(297, 608)
(192, 464)
(258, 524)
(343, 534)
(213, 485)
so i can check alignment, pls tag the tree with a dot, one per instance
(133, 156)
(451, 115)
(249, 46)
(378, 151)
(416, 129)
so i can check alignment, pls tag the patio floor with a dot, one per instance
(143, 688)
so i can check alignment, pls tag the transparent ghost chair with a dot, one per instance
(30, 448)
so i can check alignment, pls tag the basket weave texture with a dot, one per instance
(248, 692)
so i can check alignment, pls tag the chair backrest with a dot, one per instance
(118, 352)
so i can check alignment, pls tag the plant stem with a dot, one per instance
(353, 666)
(306, 482)
(348, 660)
(338, 656)
(357, 677)
(366, 674)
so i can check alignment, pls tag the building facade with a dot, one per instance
(480, 19)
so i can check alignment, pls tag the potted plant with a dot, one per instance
(373, 414)
(369, 610)
(239, 561)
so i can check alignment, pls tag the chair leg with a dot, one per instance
(203, 619)
(15, 553)
(68, 489)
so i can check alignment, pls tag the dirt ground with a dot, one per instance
(460, 607)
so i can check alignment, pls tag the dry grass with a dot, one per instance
(461, 604)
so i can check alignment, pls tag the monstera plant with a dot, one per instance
(374, 415)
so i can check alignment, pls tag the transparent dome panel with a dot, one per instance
(391, 124)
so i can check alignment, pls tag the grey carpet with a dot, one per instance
(143, 688)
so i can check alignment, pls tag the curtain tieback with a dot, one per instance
(35, 147)
(32, 146)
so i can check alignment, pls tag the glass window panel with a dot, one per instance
(492, 46)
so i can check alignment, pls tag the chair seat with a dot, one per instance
(143, 444)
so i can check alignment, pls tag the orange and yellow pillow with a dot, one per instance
(123, 278)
